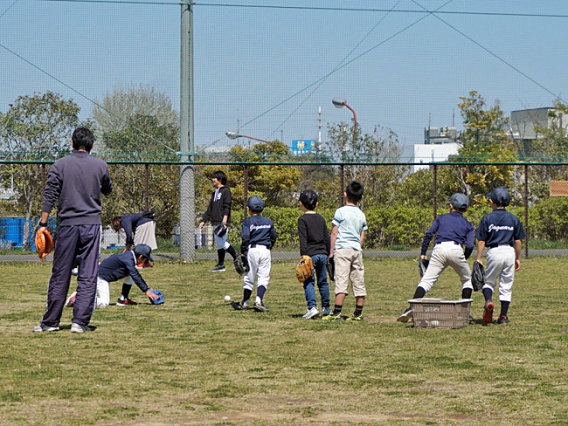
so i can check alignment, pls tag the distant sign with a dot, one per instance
(300, 147)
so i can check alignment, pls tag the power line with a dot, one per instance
(325, 8)
(9, 7)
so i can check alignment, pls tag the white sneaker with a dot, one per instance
(76, 328)
(405, 316)
(43, 327)
(311, 313)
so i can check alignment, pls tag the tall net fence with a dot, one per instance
(303, 79)
(398, 211)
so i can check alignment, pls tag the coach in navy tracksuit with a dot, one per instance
(501, 232)
(76, 182)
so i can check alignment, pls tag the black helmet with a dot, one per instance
(255, 203)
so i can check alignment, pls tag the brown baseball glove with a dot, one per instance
(304, 268)
(43, 243)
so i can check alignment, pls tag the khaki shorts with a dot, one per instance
(349, 266)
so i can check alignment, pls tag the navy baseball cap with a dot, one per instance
(144, 250)
(255, 203)
(459, 201)
(500, 196)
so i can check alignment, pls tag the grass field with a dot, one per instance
(195, 361)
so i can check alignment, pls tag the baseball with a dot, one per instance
(227, 298)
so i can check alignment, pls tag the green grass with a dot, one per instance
(195, 361)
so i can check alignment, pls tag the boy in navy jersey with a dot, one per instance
(258, 237)
(501, 232)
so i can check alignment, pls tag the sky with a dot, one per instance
(265, 68)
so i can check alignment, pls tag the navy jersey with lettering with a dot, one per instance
(257, 230)
(500, 228)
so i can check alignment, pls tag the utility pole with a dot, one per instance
(187, 171)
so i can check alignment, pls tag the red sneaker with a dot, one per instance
(488, 312)
(126, 302)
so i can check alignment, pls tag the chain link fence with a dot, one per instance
(395, 228)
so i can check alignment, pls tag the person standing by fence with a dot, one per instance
(219, 213)
(76, 182)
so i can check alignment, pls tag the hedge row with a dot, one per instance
(403, 227)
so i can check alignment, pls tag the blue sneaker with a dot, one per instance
(325, 311)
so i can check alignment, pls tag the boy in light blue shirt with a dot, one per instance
(347, 236)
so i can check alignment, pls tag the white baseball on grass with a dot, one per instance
(227, 298)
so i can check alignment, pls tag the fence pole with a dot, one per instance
(245, 190)
(147, 186)
(435, 191)
(526, 201)
(342, 184)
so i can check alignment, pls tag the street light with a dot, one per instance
(340, 103)
(235, 135)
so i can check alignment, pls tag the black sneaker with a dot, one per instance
(239, 307)
(218, 268)
(503, 320)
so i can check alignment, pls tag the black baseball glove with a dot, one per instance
(422, 266)
(220, 229)
(330, 266)
(478, 276)
(241, 264)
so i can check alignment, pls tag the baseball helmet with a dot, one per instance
(500, 196)
(255, 203)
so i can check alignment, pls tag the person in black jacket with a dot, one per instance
(314, 242)
(219, 213)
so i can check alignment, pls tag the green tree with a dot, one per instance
(552, 145)
(483, 139)
(37, 127)
(139, 124)
(383, 147)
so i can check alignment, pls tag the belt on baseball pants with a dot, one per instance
(499, 245)
(258, 245)
(448, 242)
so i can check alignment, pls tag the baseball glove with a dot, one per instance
(43, 243)
(304, 268)
(330, 266)
(422, 266)
(478, 276)
(241, 264)
(158, 301)
(220, 230)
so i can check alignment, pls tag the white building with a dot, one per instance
(432, 153)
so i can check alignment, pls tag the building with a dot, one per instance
(425, 153)
(442, 135)
(525, 124)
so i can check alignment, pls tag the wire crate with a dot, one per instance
(438, 313)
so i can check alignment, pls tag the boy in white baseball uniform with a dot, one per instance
(452, 231)
(258, 237)
(501, 232)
